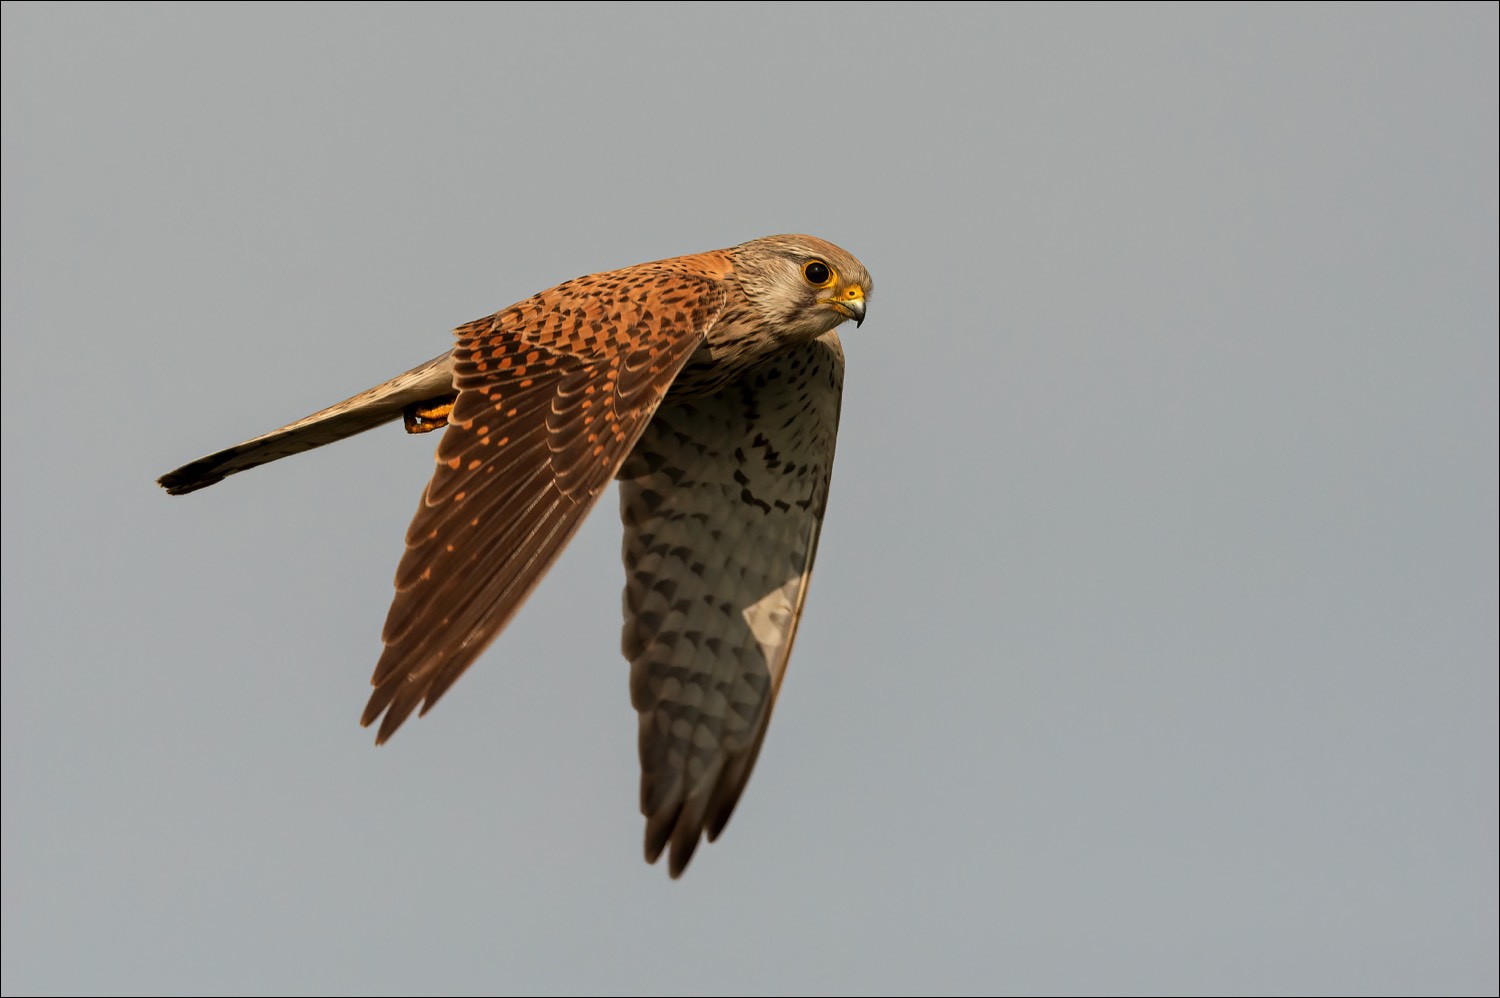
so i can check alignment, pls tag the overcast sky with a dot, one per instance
(1152, 645)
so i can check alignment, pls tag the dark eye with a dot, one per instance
(816, 272)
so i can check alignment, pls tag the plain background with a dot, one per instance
(1152, 647)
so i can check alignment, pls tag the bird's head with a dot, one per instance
(802, 285)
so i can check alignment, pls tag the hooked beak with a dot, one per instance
(850, 303)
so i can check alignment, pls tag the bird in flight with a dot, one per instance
(709, 385)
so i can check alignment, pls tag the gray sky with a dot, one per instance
(1152, 643)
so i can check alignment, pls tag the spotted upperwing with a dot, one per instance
(722, 500)
(552, 394)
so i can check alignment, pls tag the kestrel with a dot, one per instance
(709, 385)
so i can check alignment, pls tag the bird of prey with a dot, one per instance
(709, 385)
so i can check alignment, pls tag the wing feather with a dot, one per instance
(722, 501)
(552, 394)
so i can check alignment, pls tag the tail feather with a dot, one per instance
(427, 382)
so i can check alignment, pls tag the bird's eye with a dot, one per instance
(817, 273)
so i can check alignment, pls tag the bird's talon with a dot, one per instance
(424, 417)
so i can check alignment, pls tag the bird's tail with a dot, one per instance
(421, 395)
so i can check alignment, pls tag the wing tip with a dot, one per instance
(385, 706)
(678, 830)
(398, 698)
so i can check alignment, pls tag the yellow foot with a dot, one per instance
(424, 417)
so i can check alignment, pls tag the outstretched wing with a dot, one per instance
(429, 381)
(552, 394)
(722, 500)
